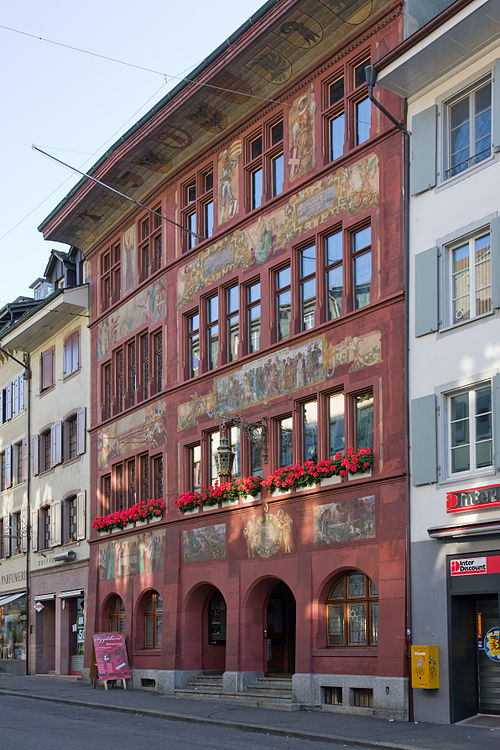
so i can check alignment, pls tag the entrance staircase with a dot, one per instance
(266, 692)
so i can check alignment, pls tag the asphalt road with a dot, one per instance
(38, 725)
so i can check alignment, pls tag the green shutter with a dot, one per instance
(423, 150)
(426, 291)
(423, 440)
(496, 106)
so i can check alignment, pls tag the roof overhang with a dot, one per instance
(256, 66)
(56, 312)
(441, 47)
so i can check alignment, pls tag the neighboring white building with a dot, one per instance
(449, 72)
(54, 333)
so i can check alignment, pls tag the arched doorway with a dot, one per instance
(280, 631)
(205, 621)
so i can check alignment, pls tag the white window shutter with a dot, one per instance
(8, 401)
(35, 454)
(23, 530)
(80, 430)
(15, 408)
(56, 444)
(34, 530)
(24, 457)
(81, 531)
(21, 392)
(8, 466)
(55, 524)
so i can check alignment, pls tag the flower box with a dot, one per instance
(280, 493)
(230, 503)
(359, 475)
(191, 512)
(141, 522)
(251, 498)
(126, 519)
(329, 481)
(307, 487)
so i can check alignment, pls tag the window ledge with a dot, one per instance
(71, 375)
(453, 326)
(444, 184)
(343, 651)
(467, 475)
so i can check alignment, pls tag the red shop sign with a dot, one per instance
(479, 498)
(111, 656)
(473, 566)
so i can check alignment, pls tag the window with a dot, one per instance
(336, 424)
(17, 395)
(16, 532)
(352, 611)
(157, 352)
(363, 421)
(69, 520)
(232, 322)
(150, 247)
(470, 277)
(334, 274)
(255, 449)
(468, 128)
(46, 370)
(110, 276)
(307, 287)
(265, 165)
(283, 302)
(347, 109)
(193, 332)
(106, 494)
(144, 366)
(119, 489)
(106, 390)
(131, 374)
(44, 528)
(18, 458)
(131, 483)
(157, 466)
(153, 614)
(309, 415)
(253, 317)
(119, 381)
(2, 539)
(285, 442)
(194, 454)
(470, 429)
(213, 444)
(212, 314)
(45, 451)
(362, 266)
(144, 476)
(3, 485)
(198, 211)
(72, 354)
(116, 615)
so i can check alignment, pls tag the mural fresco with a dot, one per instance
(144, 428)
(209, 118)
(279, 373)
(134, 555)
(129, 259)
(148, 306)
(173, 137)
(228, 181)
(352, 12)
(349, 189)
(271, 65)
(301, 30)
(268, 533)
(301, 135)
(204, 543)
(231, 87)
(349, 520)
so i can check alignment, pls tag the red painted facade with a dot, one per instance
(156, 414)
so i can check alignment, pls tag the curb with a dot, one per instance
(243, 726)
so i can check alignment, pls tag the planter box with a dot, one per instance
(155, 519)
(116, 531)
(328, 481)
(103, 533)
(303, 489)
(280, 493)
(359, 475)
(251, 498)
(210, 507)
(229, 503)
(143, 522)
(192, 511)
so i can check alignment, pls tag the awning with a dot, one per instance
(70, 594)
(465, 530)
(44, 597)
(10, 598)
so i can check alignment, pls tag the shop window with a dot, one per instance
(153, 616)
(352, 611)
(116, 618)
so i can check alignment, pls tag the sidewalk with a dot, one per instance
(357, 731)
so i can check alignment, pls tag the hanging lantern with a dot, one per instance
(224, 458)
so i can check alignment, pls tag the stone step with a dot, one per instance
(246, 699)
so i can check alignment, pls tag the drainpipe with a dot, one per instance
(371, 78)
(27, 375)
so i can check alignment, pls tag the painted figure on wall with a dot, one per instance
(268, 533)
(143, 429)
(129, 260)
(204, 543)
(229, 181)
(301, 30)
(135, 555)
(345, 521)
(302, 156)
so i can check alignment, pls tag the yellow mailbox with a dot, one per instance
(425, 667)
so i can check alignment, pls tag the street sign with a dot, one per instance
(38, 606)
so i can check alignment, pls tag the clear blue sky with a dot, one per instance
(75, 106)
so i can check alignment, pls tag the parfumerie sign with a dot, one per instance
(476, 499)
(471, 566)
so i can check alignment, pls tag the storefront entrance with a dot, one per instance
(280, 631)
(76, 634)
(475, 654)
(214, 637)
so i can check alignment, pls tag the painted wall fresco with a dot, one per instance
(204, 543)
(145, 428)
(135, 555)
(268, 533)
(301, 30)
(147, 307)
(228, 181)
(349, 520)
(352, 12)
(129, 259)
(279, 373)
(271, 65)
(301, 135)
(349, 189)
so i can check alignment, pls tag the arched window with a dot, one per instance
(352, 611)
(117, 616)
(153, 613)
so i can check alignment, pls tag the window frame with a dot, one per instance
(263, 161)
(473, 471)
(368, 599)
(153, 597)
(447, 265)
(197, 193)
(150, 236)
(110, 275)
(71, 342)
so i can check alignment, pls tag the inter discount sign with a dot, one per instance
(471, 566)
